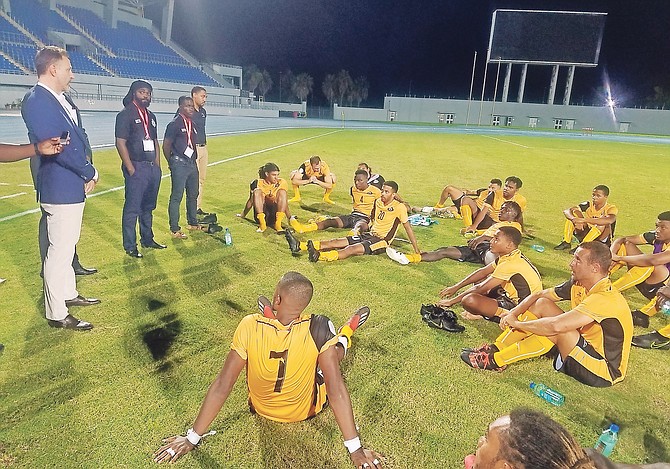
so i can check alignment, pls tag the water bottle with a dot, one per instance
(548, 394)
(664, 307)
(537, 247)
(228, 238)
(607, 440)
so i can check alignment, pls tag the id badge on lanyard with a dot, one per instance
(188, 152)
(148, 143)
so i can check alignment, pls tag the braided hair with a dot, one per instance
(534, 441)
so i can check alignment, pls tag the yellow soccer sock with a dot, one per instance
(280, 218)
(634, 276)
(593, 234)
(530, 347)
(326, 195)
(466, 213)
(309, 227)
(303, 246)
(296, 225)
(650, 308)
(261, 221)
(510, 336)
(329, 256)
(568, 229)
(414, 257)
(618, 265)
(438, 205)
(665, 331)
(296, 194)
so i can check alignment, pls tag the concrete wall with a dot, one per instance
(428, 110)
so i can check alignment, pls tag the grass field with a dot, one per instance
(106, 398)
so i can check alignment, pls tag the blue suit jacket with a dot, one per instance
(60, 179)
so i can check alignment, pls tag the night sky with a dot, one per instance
(422, 48)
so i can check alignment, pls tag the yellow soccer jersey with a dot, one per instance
(269, 190)
(281, 364)
(364, 200)
(495, 199)
(590, 211)
(521, 278)
(496, 226)
(324, 169)
(612, 330)
(387, 218)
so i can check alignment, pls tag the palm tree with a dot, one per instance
(302, 86)
(361, 86)
(265, 84)
(328, 88)
(252, 77)
(286, 80)
(343, 84)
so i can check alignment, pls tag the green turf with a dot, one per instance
(106, 398)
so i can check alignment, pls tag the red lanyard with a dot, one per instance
(144, 117)
(189, 129)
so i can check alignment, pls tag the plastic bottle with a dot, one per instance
(228, 238)
(537, 247)
(548, 394)
(607, 440)
(664, 307)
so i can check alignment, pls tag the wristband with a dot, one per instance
(193, 437)
(353, 445)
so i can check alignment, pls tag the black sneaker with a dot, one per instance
(640, 319)
(481, 361)
(293, 244)
(440, 321)
(563, 246)
(202, 213)
(213, 228)
(653, 340)
(313, 253)
(427, 310)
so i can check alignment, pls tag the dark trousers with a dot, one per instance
(141, 195)
(43, 240)
(184, 176)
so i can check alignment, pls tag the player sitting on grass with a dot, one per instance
(592, 220)
(268, 198)
(292, 363)
(374, 179)
(467, 203)
(498, 286)
(363, 196)
(647, 277)
(478, 249)
(593, 337)
(313, 171)
(387, 214)
(489, 212)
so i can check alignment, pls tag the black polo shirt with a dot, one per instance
(199, 119)
(176, 131)
(129, 127)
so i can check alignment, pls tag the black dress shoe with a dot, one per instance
(134, 253)
(81, 270)
(201, 212)
(154, 245)
(81, 301)
(70, 322)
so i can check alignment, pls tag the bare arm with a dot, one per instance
(122, 149)
(476, 276)
(550, 326)
(481, 288)
(478, 219)
(607, 220)
(167, 149)
(248, 205)
(327, 182)
(10, 152)
(645, 260)
(410, 235)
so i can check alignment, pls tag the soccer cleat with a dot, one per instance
(293, 244)
(265, 307)
(481, 361)
(357, 320)
(440, 318)
(563, 246)
(313, 253)
(397, 256)
(488, 348)
(653, 340)
(639, 318)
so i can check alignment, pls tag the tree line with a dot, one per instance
(338, 87)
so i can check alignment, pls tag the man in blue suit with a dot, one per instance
(62, 182)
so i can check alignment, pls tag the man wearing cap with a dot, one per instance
(137, 145)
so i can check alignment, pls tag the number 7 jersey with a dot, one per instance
(282, 364)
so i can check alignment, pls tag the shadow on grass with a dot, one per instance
(159, 339)
(654, 448)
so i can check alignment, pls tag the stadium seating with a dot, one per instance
(130, 68)
(38, 19)
(22, 53)
(7, 67)
(81, 63)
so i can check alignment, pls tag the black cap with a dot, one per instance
(136, 85)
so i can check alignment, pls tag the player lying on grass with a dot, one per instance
(387, 215)
(478, 249)
(467, 202)
(313, 171)
(498, 286)
(292, 360)
(593, 337)
(646, 276)
(592, 220)
(267, 196)
(363, 196)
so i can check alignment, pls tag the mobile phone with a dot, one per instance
(63, 137)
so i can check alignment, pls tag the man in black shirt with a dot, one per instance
(199, 118)
(181, 154)
(137, 145)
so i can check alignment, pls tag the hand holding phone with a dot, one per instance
(64, 137)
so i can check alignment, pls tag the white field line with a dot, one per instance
(245, 155)
(12, 195)
(506, 141)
